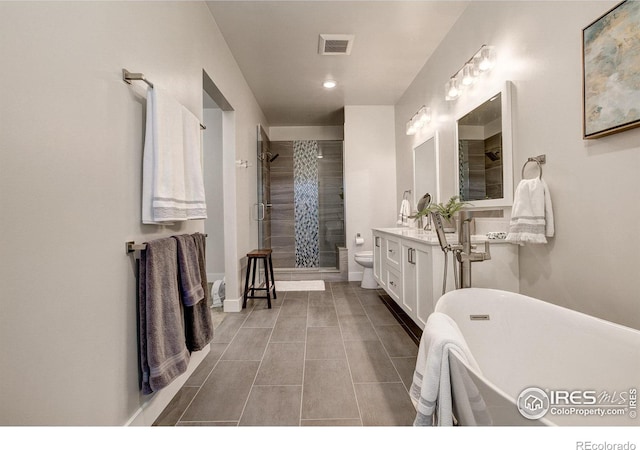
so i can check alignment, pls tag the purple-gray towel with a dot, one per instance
(163, 351)
(189, 270)
(199, 327)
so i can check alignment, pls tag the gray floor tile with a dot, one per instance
(384, 404)
(324, 316)
(396, 340)
(252, 364)
(261, 303)
(298, 295)
(289, 329)
(224, 394)
(272, 406)
(176, 407)
(405, 367)
(358, 331)
(321, 295)
(294, 307)
(327, 391)
(207, 424)
(262, 318)
(324, 343)
(346, 307)
(282, 364)
(320, 302)
(228, 328)
(369, 362)
(369, 297)
(206, 366)
(380, 315)
(331, 423)
(248, 344)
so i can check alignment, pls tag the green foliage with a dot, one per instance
(447, 211)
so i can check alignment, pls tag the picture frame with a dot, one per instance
(610, 75)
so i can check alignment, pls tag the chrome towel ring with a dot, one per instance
(539, 160)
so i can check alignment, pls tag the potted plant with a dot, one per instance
(447, 211)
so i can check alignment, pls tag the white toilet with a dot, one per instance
(365, 259)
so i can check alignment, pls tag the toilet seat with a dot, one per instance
(365, 259)
(365, 255)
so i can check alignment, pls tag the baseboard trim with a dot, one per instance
(151, 409)
(355, 276)
(232, 304)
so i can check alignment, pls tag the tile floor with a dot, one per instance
(333, 357)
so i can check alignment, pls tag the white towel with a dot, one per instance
(172, 180)
(195, 206)
(405, 212)
(431, 387)
(532, 213)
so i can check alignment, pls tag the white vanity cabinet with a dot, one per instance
(409, 266)
(417, 281)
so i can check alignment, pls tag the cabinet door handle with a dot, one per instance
(411, 255)
(392, 283)
(377, 241)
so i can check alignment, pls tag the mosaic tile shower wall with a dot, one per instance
(305, 190)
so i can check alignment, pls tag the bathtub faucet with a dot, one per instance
(465, 254)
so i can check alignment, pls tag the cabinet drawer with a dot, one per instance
(394, 285)
(393, 253)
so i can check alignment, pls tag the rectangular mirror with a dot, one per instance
(425, 170)
(484, 174)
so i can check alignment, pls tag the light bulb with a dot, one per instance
(468, 74)
(424, 116)
(452, 88)
(486, 59)
(410, 129)
(329, 84)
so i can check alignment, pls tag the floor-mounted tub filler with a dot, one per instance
(535, 363)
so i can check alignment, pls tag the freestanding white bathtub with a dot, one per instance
(540, 364)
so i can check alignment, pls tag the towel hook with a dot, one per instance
(539, 160)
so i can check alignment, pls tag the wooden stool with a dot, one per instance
(252, 257)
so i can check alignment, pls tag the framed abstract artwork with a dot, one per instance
(611, 71)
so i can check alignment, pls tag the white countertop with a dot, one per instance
(431, 238)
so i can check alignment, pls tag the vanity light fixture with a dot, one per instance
(329, 84)
(483, 61)
(419, 120)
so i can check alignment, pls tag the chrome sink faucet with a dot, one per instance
(464, 251)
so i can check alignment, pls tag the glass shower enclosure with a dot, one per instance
(300, 206)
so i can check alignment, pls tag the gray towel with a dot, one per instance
(197, 318)
(189, 270)
(163, 352)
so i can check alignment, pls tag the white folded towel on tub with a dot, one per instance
(532, 213)
(172, 179)
(431, 387)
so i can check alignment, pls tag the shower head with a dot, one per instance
(273, 158)
(492, 156)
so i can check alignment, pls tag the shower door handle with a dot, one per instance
(260, 210)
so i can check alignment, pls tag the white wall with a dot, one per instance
(370, 176)
(214, 182)
(311, 133)
(70, 182)
(591, 264)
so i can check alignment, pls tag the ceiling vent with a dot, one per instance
(335, 44)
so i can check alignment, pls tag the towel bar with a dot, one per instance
(128, 77)
(539, 160)
(131, 246)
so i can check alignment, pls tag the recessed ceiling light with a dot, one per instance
(329, 84)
